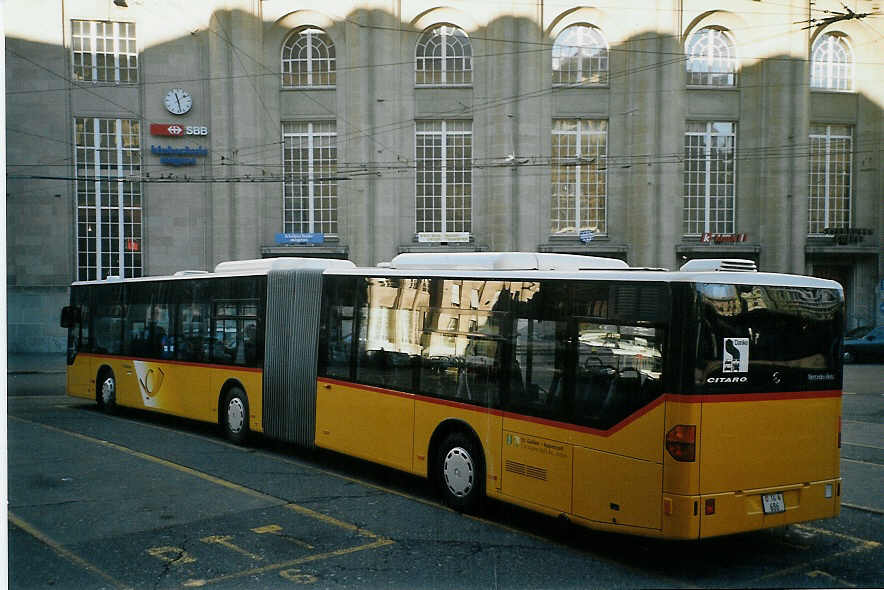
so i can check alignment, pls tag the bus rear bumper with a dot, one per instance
(736, 512)
(713, 515)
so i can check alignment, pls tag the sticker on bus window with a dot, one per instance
(736, 355)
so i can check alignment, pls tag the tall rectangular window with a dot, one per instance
(310, 189)
(709, 178)
(444, 176)
(830, 173)
(104, 51)
(108, 164)
(579, 177)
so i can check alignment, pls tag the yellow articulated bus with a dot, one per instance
(678, 405)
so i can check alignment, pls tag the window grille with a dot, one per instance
(579, 176)
(580, 56)
(831, 148)
(711, 60)
(709, 178)
(104, 51)
(109, 215)
(444, 176)
(308, 60)
(831, 63)
(443, 57)
(310, 187)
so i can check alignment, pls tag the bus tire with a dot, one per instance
(106, 391)
(460, 472)
(235, 415)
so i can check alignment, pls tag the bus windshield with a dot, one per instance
(753, 338)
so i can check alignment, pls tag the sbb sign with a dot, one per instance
(175, 130)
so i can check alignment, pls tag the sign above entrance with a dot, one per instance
(847, 235)
(708, 238)
(300, 238)
(443, 236)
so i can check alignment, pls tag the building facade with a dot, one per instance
(149, 137)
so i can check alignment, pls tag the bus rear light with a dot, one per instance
(681, 442)
(839, 432)
(710, 506)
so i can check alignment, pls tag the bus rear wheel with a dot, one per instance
(235, 415)
(460, 474)
(106, 392)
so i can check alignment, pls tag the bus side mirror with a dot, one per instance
(70, 316)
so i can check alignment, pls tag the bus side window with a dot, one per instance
(619, 370)
(389, 334)
(235, 337)
(541, 352)
(336, 331)
(193, 332)
(539, 380)
(108, 320)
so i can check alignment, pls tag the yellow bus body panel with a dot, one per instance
(759, 444)
(181, 389)
(365, 422)
(80, 378)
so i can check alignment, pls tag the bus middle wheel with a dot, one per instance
(235, 415)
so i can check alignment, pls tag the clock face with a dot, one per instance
(178, 101)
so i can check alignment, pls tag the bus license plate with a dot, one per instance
(773, 503)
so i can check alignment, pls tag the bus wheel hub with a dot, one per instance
(236, 415)
(458, 472)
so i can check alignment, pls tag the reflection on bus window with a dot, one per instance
(787, 333)
(619, 370)
(235, 339)
(539, 384)
(540, 358)
(194, 326)
(390, 321)
(461, 351)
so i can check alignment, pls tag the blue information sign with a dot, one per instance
(300, 238)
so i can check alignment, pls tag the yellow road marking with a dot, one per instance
(381, 542)
(224, 541)
(818, 573)
(866, 543)
(275, 529)
(861, 545)
(853, 444)
(173, 555)
(69, 555)
(862, 462)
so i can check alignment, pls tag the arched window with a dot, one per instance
(443, 57)
(308, 59)
(711, 60)
(580, 56)
(831, 63)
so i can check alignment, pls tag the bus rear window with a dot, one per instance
(753, 338)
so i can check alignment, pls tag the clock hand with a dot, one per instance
(177, 100)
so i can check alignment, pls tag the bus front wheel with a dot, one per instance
(106, 393)
(235, 415)
(460, 473)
